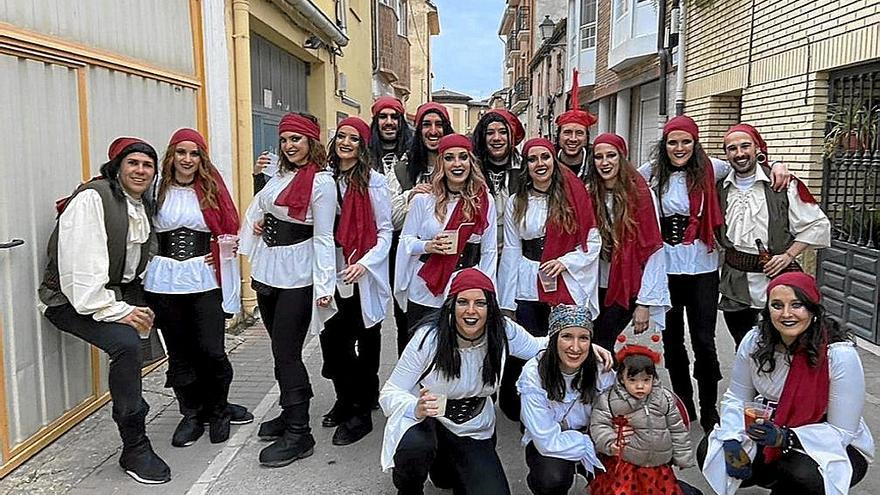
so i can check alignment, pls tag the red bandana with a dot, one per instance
(439, 267)
(356, 232)
(705, 214)
(471, 278)
(220, 220)
(298, 194)
(559, 242)
(634, 249)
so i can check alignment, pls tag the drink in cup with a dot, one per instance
(452, 236)
(548, 283)
(752, 411)
(345, 290)
(441, 403)
(227, 243)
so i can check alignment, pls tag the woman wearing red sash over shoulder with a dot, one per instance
(791, 419)
(288, 236)
(550, 254)
(446, 230)
(191, 287)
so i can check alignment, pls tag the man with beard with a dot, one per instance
(573, 133)
(763, 231)
(495, 138)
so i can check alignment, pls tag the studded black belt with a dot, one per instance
(280, 233)
(183, 243)
(460, 411)
(673, 227)
(469, 256)
(533, 249)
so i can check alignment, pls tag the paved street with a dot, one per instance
(84, 461)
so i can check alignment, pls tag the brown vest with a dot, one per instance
(116, 227)
(734, 285)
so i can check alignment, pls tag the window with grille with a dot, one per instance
(588, 24)
(401, 11)
(522, 19)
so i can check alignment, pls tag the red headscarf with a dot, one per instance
(559, 242)
(705, 211)
(614, 140)
(119, 144)
(517, 133)
(191, 135)
(454, 141)
(356, 231)
(298, 194)
(431, 106)
(439, 267)
(576, 115)
(538, 143)
(362, 128)
(384, 102)
(471, 278)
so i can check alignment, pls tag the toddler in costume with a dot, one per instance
(637, 426)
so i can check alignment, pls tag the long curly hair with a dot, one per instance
(418, 154)
(617, 224)
(821, 328)
(359, 175)
(447, 360)
(695, 168)
(552, 381)
(560, 211)
(204, 173)
(470, 194)
(317, 151)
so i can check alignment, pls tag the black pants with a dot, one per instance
(550, 475)
(287, 314)
(351, 355)
(399, 314)
(122, 345)
(699, 294)
(198, 369)
(534, 316)
(416, 315)
(611, 321)
(792, 473)
(467, 465)
(740, 322)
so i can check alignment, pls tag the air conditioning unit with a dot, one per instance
(341, 82)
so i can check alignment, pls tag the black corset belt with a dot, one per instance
(183, 243)
(673, 227)
(280, 233)
(460, 411)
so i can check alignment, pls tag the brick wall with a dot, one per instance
(393, 49)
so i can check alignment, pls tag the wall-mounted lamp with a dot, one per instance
(313, 43)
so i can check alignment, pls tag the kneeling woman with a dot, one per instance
(800, 368)
(549, 235)
(183, 282)
(441, 419)
(451, 228)
(351, 340)
(557, 389)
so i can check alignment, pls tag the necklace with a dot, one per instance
(469, 340)
(183, 184)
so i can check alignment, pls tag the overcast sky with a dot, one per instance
(467, 55)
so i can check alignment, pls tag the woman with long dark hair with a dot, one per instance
(288, 235)
(551, 251)
(632, 266)
(350, 342)
(438, 400)
(183, 283)
(791, 419)
(448, 229)
(683, 178)
(557, 389)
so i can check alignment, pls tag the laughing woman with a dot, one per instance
(551, 251)
(351, 340)
(288, 235)
(446, 230)
(184, 284)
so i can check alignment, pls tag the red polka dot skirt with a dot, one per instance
(623, 478)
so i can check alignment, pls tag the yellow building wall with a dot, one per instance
(357, 62)
(420, 56)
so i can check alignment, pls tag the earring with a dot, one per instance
(761, 158)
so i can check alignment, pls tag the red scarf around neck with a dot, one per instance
(805, 394)
(633, 249)
(220, 220)
(439, 267)
(558, 242)
(298, 194)
(356, 232)
(705, 211)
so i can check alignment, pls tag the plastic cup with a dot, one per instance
(441, 404)
(752, 411)
(345, 290)
(548, 283)
(452, 235)
(227, 243)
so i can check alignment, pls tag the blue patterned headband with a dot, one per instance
(564, 316)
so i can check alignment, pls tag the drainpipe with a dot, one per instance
(241, 53)
(663, 55)
(682, 59)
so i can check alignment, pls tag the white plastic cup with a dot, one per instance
(548, 283)
(452, 236)
(345, 290)
(227, 243)
(441, 404)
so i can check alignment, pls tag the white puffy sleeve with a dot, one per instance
(520, 342)
(323, 214)
(511, 254)
(807, 221)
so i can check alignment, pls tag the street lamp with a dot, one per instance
(547, 26)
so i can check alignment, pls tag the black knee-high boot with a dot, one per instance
(138, 459)
(190, 428)
(295, 443)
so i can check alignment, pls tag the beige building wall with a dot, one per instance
(424, 22)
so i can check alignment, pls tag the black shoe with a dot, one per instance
(290, 447)
(272, 429)
(353, 429)
(708, 420)
(187, 432)
(218, 430)
(239, 415)
(335, 416)
(141, 463)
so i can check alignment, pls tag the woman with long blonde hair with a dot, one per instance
(448, 229)
(191, 288)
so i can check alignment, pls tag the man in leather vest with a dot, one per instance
(92, 287)
(783, 224)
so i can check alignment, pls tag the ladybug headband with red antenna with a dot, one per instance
(648, 343)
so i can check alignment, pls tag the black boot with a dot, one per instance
(218, 428)
(340, 410)
(708, 399)
(138, 459)
(190, 428)
(357, 426)
(239, 415)
(296, 442)
(272, 429)
(680, 380)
